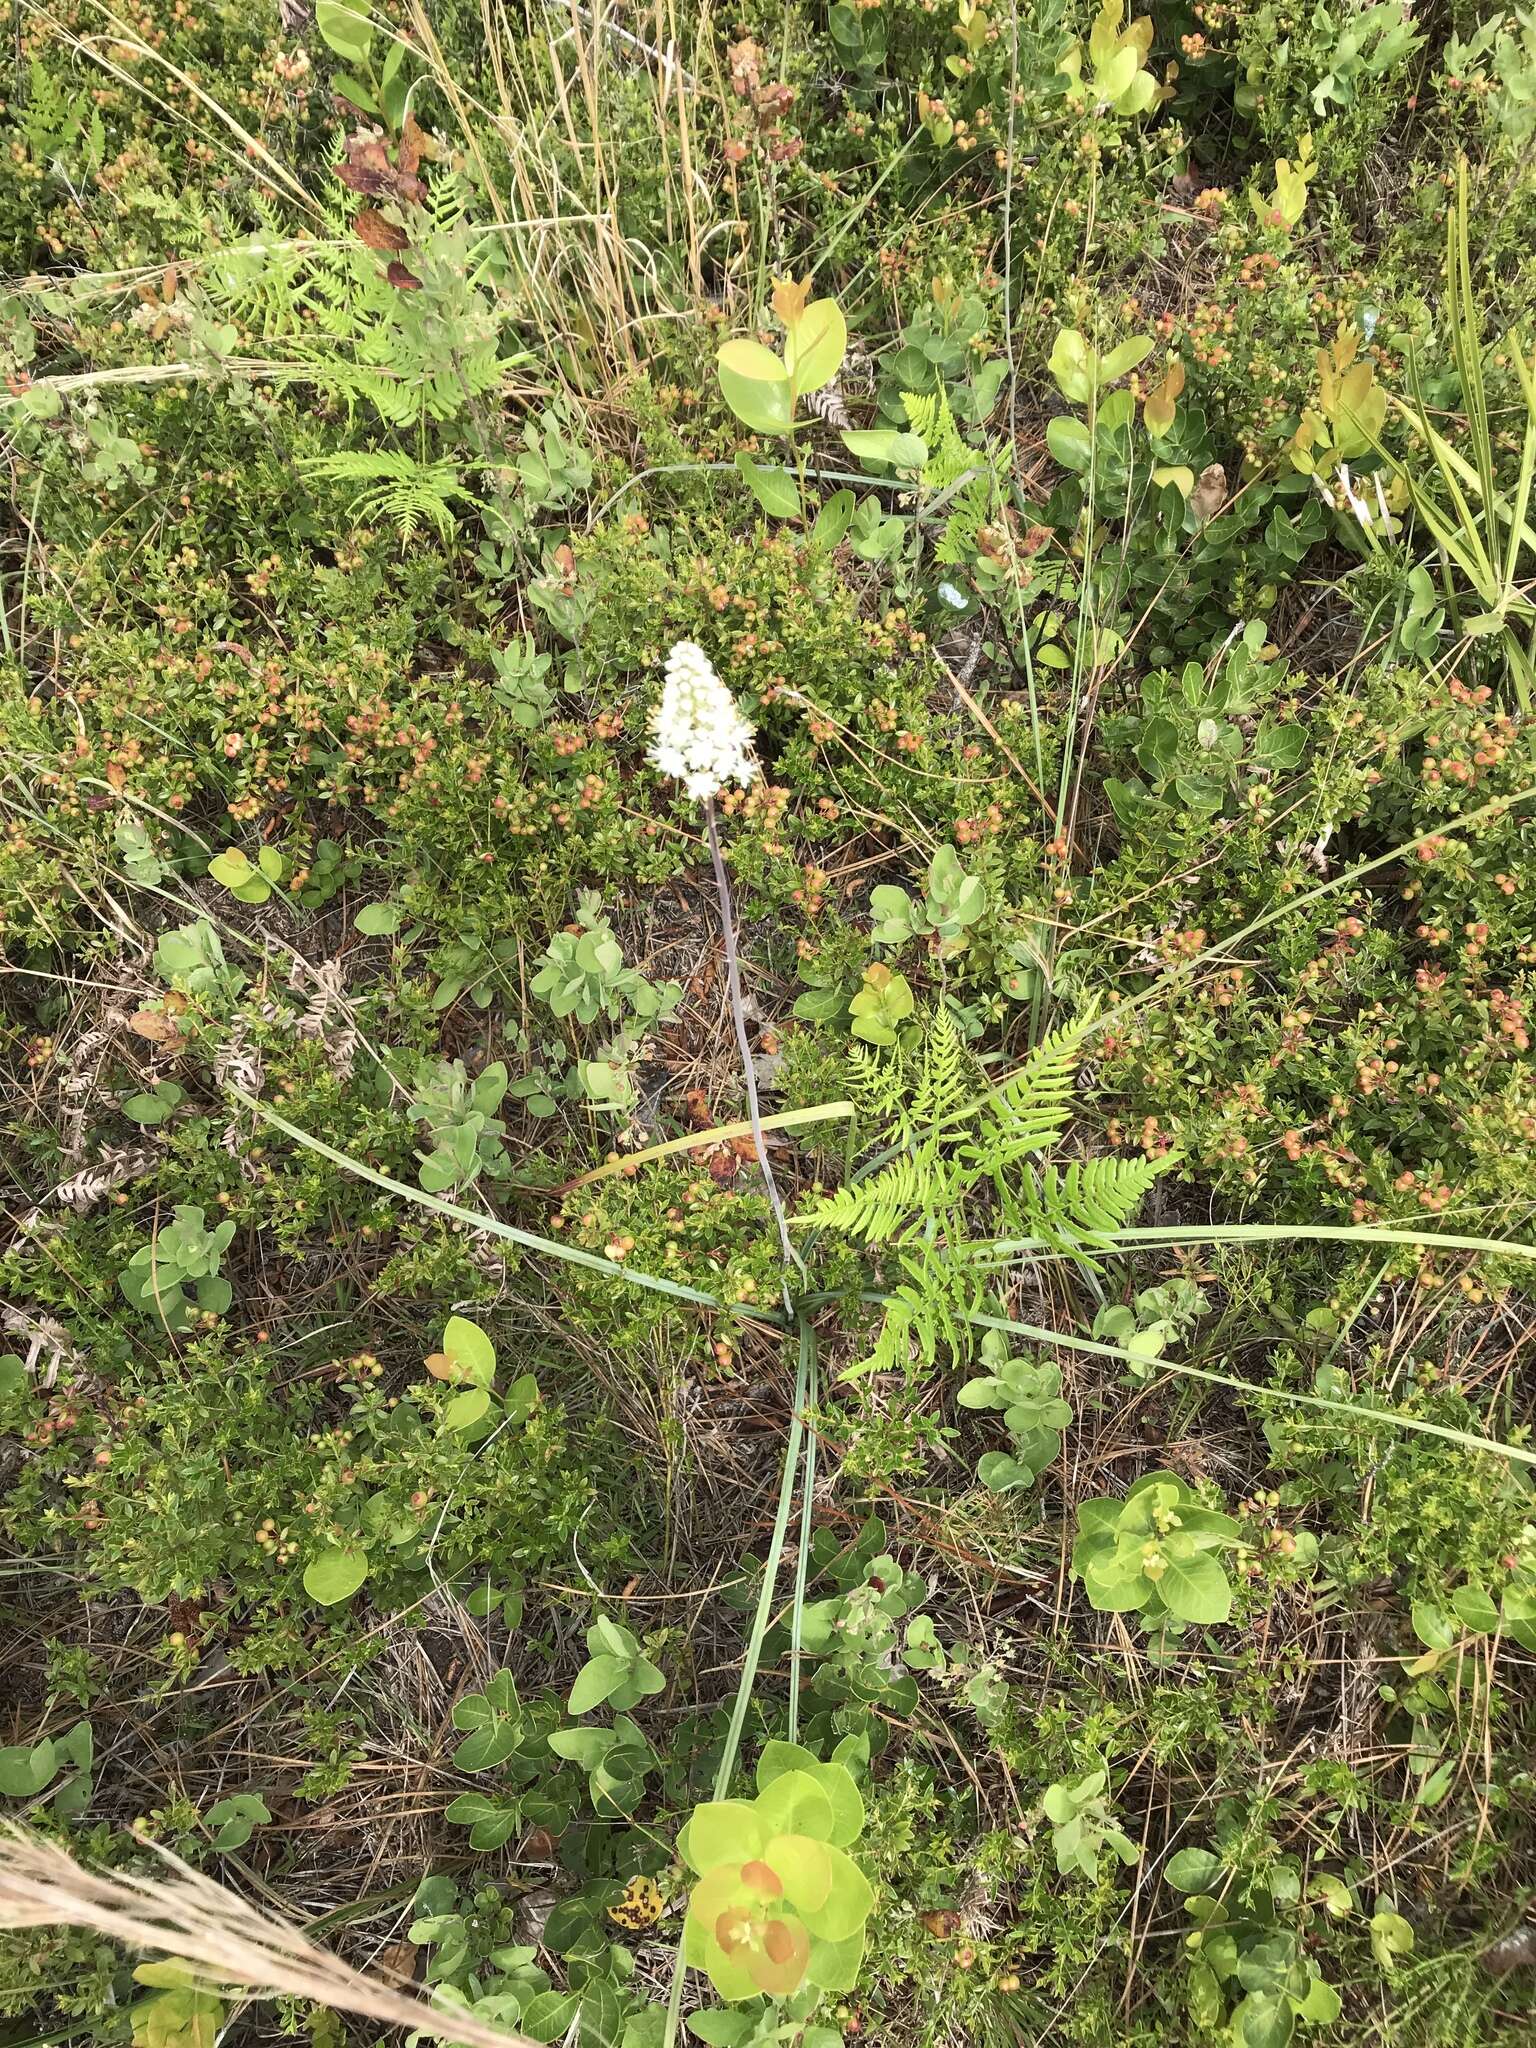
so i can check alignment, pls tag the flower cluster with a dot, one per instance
(701, 736)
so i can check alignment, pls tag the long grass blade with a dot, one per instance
(998, 1251)
(717, 1134)
(548, 1246)
(754, 1652)
(1463, 1439)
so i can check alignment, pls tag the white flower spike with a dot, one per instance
(701, 737)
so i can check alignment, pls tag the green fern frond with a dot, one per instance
(1029, 1112)
(947, 1078)
(874, 1210)
(948, 456)
(947, 1175)
(959, 542)
(405, 494)
(924, 1311)
(327, 310)
(1079, 1209)
(921, 1186)
(877, 1084)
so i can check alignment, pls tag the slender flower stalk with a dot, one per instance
(792, 1258)
(704, 740)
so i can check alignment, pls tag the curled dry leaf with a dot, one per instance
(745, 60)
(700, 1115)
(1516, 1951)
(159, 1030)
(415, 144)
(369, 171)
(375, 232)
(1209, 494)
(397, 1963)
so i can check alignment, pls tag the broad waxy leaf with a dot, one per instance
(1194, 1870)
(834, 519)
(466, 1409)
(335, 1575)
(815, 346)
(1070, 443)
(469, 1351)
(888, 445)
(835, 1781)
(26, 1768)
(1074, 366)
(774, 488)
(1195, 1588)
(794, 1804)
(598, 1679)
(756, 386)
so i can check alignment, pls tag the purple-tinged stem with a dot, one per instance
(792, 1260)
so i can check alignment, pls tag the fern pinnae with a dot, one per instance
(872, 1210)
(947, 1075)
(921, 1201)
(1029, 1112)
(396, 487)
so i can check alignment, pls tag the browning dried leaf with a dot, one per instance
(158, 1030)
(375, 232)
(1209, 494)
(415, 144)
(369, 172)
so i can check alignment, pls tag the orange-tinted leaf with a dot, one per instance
(415, 144)
(790, 299)
(1162, 401)
(778, 1967)
(152, 1025)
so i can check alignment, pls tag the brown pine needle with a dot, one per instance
(213, 1930)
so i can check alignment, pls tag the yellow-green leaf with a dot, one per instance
(756, 386)
(772, 486)
(814, 351)
(470, 1351)
(335, 1575)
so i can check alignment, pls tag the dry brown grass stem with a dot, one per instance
(227, 1941)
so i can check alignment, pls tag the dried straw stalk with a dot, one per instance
(225, 1940)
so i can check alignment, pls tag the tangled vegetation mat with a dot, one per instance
(767, 910)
